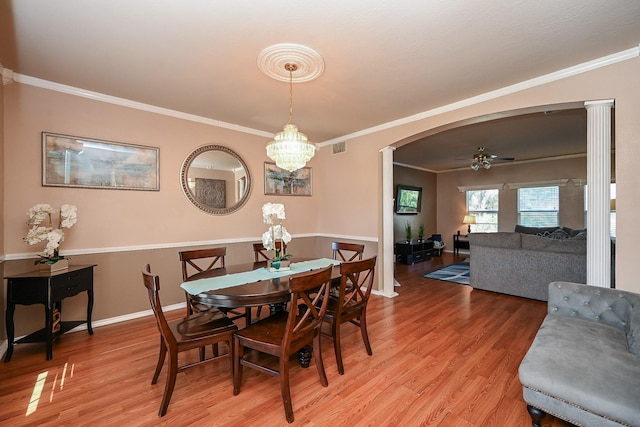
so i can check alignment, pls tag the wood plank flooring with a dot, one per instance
(443, 355)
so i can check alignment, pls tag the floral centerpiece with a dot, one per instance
(42, 229)
(272, 215)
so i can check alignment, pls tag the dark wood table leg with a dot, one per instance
(48, 329)
(11, 308)
(89, 310)
(304, 355)
(279, 307)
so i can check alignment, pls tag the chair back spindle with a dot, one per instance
(201, 260)
(347, 251)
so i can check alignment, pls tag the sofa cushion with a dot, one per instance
(574, 232)
(566, 246)
(558, 234)
(586, 363)
(496, 240)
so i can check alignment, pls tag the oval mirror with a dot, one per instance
(215, 179)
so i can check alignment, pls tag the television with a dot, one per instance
(408, 199)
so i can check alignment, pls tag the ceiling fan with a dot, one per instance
(481, 158)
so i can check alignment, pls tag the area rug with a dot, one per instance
(457, 273)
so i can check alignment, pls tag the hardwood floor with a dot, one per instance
(443, 355)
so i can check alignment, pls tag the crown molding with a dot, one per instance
(96, 96)
(527, 84)
(518, 87)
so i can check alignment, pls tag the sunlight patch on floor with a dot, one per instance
(37, 391)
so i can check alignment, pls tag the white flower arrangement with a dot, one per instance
(41, 229)
(272, 215)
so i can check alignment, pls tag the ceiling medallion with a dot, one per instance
(273, 61)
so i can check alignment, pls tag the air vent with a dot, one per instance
(339, 147)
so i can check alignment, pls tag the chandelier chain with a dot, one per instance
(291, 68)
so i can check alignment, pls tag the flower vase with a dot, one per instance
(279, 265)
(61, 264)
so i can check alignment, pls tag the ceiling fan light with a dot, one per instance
(475, 166)
(486, 164)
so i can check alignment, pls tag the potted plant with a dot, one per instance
(273, 214)
(407, 231)
(43, 228)
(421, 233)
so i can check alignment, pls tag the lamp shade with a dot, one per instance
(469, 219)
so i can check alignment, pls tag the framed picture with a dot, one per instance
(281, 182)
(71, 161)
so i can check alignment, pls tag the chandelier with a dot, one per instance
(290, 149)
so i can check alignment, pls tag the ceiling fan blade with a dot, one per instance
(502, 158)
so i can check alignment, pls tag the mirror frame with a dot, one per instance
(184, 172)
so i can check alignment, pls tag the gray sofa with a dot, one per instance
(584, 363)
(523, 264)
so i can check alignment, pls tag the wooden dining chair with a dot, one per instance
(347, 251)
(193, 332)
(356, 283)
(260, 252)
(201, 260)
(283, 334)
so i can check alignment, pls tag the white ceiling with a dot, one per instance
(384, 60)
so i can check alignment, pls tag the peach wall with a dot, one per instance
(616, 81)
(114, 218)
(113, 222)
(346, 195)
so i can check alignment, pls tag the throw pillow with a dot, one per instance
(559, 234)
(540, 231)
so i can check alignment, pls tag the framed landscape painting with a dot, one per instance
(281, 182)
(71, 161)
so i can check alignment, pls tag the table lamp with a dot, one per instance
(469, 219)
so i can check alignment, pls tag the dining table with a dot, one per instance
(252, 285)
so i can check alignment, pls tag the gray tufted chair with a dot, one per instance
(584, 363)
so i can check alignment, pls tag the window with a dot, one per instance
(483, 204)
(538, 206)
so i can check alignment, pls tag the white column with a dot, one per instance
(385, 247)
(598, 192)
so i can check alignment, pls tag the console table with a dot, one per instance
(459, 242)
(49, 289)
(411, 252)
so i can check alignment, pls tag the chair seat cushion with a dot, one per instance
(202, 324)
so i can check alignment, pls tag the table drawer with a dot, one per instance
(71, 284)
(25, 292)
